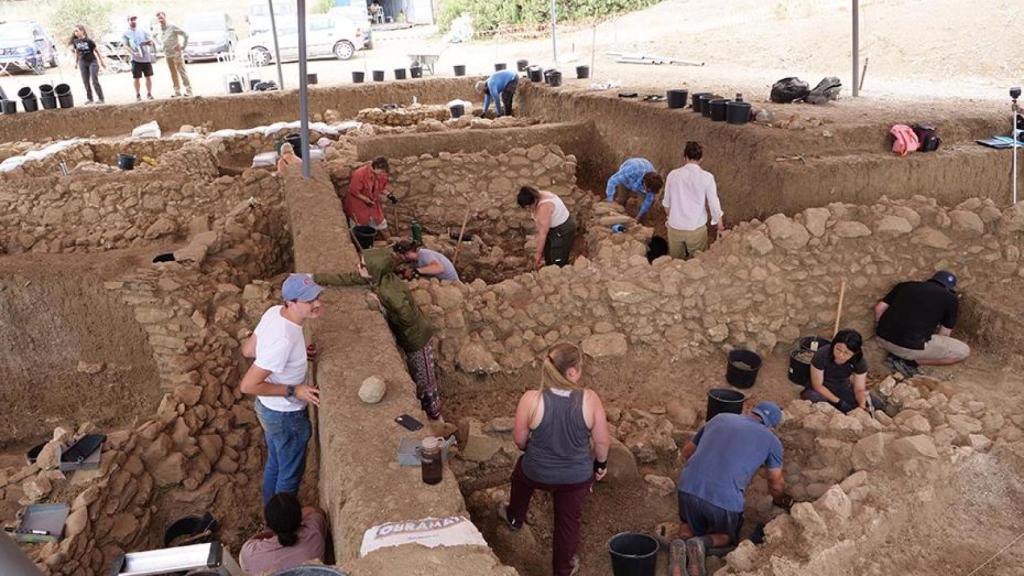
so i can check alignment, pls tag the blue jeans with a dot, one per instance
(287, 434)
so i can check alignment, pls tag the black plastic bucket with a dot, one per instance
(705, 104)
(378, 75)
(457, 110)
(724, 400)
(47, 98)
(192, 526)
(695, 100)
(676, 98)
(554, 78)
(295, 140)
(535, 74)
(9, 106)
(737, 112)
(800, 366)
(416, 71)
(741, 368)
(522, 65)
(310, 571)
(253, 82)
(583, 72)
(235, 87)
(499, 66)
(460, 69)
(633, 554)
(807, 342)
(365, 236)
(126, 161)
(64, 97)
(312, 79)
(718, 109)
(399, 73)
(28, 99)
(358, 77)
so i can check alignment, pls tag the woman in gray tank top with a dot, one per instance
(555, 426)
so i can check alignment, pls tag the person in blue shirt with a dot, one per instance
(500, 88)
(638, 176)
(428, 263)
(720, 461)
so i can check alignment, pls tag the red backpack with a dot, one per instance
(904, 139)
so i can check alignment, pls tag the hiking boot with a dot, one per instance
(176, 95)
(677, 558)
(906, 367)
(695, 557)
(149, 96)
(502, 512)
(138, 98)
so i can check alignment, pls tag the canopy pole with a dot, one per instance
(303, 91)
(856, 46)
(277, 50)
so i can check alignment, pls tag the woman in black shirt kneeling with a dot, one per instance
(839, 374)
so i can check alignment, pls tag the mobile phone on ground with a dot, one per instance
(408, 422)
(81, 450)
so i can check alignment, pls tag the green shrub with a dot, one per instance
(488, 15)
(93, 14)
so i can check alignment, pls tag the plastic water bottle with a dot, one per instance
(417, 233)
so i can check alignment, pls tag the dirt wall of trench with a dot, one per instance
(250, 109)
(843, 162)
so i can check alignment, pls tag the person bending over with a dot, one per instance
(296, 534)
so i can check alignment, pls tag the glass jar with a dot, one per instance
(431, 460)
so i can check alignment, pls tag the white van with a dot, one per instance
(259, 15)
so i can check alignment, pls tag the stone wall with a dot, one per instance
(98, 212)
(863, 483)
(202, 450)
(438, 189)
(761, 284)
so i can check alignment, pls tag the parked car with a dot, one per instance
(326, 36)
(210, 34)
(26, 46)
(259, 15)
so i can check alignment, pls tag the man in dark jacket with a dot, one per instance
(915, 320)
(411, 328)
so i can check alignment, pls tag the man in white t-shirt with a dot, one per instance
(277, 379)
(690, 192)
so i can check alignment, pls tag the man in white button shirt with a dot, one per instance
(277, 378)
(690, 192)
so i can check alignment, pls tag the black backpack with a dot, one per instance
(789, 90)
(827, 89)
(927, 137)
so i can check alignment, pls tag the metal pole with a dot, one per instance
(554, 30)
(856, 46)
(1015, 133)
(593, 48)
(303, 90)
(277, 51)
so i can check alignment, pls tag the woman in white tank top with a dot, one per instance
(556, 229)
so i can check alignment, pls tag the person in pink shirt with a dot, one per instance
(296, 535)
(368, 185)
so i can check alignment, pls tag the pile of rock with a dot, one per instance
(403, 115)
(854, 472)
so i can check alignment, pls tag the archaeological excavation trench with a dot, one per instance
(99, 337)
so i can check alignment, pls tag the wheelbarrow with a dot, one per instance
(425, 61)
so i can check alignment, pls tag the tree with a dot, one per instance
(93, 14)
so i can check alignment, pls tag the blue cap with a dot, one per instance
(300, 287)
(769, 412)
(947, 279)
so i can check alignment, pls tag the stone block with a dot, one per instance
(621, 463)
(475, 359)
(477, 445)
(787, 233)
(869, 452)
(834, 503)
(808, 520)
(660, 485)
(920, 446)
(851, 229)
(605, 345)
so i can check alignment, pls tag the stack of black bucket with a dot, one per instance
(51, 97)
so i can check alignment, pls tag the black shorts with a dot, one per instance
(140, 69)
(705, 518)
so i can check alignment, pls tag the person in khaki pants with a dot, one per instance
(174, 40)
(690, 192)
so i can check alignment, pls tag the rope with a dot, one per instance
(993, 557)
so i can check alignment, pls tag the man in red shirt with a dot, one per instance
(368, 185)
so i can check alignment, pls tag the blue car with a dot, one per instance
(24, 45)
